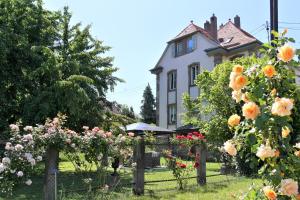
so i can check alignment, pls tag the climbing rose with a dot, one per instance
(285, 131)
(28, 128)
(14, 127)
(282, 107)
(230, 148)
(289, 187)
(234, 120)
(269, 71)
(270, 193)
(286, 53)
(237, 81)
(237, 95)
(238, 69)
(264, 152)
(250, 110)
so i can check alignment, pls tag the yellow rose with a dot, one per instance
(289, 187)
(250, 110)
(238, 69)
(265, 151)
(234, 120)
(245, 97)
(282, 107)
(285, 131)
(236, 95)
(270, 193)
(286, 53)
(273, 92)
(297, 153)
(269, 71)
(277, 153)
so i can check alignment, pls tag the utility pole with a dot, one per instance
(274, 16)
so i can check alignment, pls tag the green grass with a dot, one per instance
(218, 187)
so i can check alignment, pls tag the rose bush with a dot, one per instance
(27, 147)
(270, 117)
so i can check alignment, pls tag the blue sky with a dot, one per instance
(137, 30)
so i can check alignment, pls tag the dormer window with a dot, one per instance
(185, 45)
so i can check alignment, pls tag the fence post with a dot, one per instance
(201, 159)
(51, 167)
(138, 176)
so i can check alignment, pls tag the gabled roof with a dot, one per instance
(190, 30)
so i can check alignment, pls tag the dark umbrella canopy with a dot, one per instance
(141, 127)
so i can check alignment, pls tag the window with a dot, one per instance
(185, 45)
(180, 48)
(172, 80)
(194, 71)
(172, 114)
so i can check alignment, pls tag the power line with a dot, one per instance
(257, 28)
(289, 22)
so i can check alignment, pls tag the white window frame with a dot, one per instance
(194, 71)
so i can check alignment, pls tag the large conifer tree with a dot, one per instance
(148, 106)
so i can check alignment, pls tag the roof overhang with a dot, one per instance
(225, 51)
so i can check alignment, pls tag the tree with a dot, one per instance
(148, 112)
(211, 110)
(128, 111)
(50, 66)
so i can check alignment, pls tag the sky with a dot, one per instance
(137, 30)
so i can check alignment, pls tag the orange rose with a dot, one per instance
(237, 82)
(298, 197)
(238, 69)
(269, 71)
(251, 110)
(270, 193)
(297, 153)
(286, 53)
(234, 120)
(277, 153)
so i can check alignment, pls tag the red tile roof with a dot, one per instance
(191, 29)
(230, 36)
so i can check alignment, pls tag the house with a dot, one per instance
(193, 50)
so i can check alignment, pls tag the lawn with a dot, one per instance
(71, 186)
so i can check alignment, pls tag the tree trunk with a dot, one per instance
(201, 159)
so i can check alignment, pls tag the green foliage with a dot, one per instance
(148, 106)
(50, 66)
(211, 110)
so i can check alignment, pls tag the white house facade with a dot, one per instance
(193, 50)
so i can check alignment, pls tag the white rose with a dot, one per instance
(28, 182)
(39, 158)
(28, 156)
(2, 167)
(73, 145)
(230, 148)
(32, 161)
(19, 147)
(8, 146)
(297, 145)
(20, 173)
(289, 187)
(28, 137)
(6, 161)
(264, 152)
(28, 128)
(14, 127)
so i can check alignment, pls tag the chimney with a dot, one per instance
(214, 27)
(207, 26)
(237, 21)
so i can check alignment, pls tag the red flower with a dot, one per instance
(196, 164)
(190, 137)
(181, 165)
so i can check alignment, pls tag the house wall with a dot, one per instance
(180, 64)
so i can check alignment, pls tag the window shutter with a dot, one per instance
(173, 47)
(194, 37)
